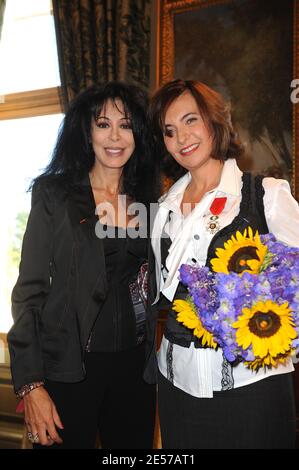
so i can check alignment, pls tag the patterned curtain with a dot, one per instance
(2, 8)
(101, 40)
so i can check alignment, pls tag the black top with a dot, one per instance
(115, 326)
(61, 285)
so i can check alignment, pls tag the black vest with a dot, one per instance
(251, 214)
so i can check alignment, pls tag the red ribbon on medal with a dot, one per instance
(218, 205)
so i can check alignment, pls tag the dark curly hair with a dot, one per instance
(215, 113)
(73, 155)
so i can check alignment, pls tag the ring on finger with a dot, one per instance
(34, 439)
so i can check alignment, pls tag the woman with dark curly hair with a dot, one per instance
(77, 345)
(204, 400)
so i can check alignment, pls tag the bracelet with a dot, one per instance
(28, 388)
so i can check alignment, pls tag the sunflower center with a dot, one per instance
(238, 261)
(264, 325)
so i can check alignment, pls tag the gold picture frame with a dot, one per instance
(164, 60)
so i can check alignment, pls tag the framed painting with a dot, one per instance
(248, 51)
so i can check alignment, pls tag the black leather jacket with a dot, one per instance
(61, 285)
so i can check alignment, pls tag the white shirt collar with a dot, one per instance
(172, 199)
(231, 178)
(230, 184)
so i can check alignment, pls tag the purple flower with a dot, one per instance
(278, 279)
(229, 355)
(188, 274)
(228, 285)
(248, 283)
(226, 308)
(262, 288)
(219, 298)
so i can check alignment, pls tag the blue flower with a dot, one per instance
(188, 274)
(228, 285)
(219, 298)
(262, 288)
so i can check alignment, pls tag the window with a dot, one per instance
(30, 114)
(28, 54)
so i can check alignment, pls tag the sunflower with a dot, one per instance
(268, 328)
(241, 253)
(269, 361)
(187, 315)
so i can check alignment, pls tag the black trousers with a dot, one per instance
(113, 401)
(257, 416)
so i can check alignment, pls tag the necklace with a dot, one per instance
(216, 208)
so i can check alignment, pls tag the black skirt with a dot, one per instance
(257, 416)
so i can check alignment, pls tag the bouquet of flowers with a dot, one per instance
(248, 304)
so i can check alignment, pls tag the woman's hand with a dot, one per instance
(41, 417)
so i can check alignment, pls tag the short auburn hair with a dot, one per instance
(214, 111)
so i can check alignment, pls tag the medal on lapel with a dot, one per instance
(216, 208)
